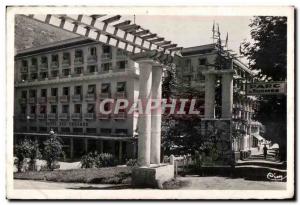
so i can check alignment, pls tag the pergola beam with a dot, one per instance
(112, 19)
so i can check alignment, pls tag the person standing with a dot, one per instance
(265, 151)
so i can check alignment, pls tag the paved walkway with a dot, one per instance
(32, 184)
(190, 182)
(223, 183)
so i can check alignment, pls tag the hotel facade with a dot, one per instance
(59, 86)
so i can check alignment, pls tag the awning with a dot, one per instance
(257, 136)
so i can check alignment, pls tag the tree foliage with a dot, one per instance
(53, 150)
(267, 53)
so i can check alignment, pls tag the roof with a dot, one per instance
(54, 46)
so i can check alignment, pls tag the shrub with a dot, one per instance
(97, 160)
(52, 150)
(26, 149)
(131, 163)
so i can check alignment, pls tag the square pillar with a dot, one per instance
(156, 115)
(210, 83)
(144, 121)
(227, 94)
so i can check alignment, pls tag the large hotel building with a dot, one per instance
(59, 86)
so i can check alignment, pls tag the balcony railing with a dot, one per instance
(43, 66)
(78, 60)
(104, 95)
(102, 116)
(89, 116)
(76, 116)
(42, 100)
(32, 100)
(23, 100)
(33, 68)
(66, 63)
(64, 99)
(106, 56)
(51, 116)
(120, 116)
(24, 69)
(41, 116)
(52, 99)
(90, 97)
(54, 65)
(63, 116)
(92, 58)
(76, 98)
(120, 95)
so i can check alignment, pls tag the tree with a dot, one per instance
(53, 150)
(267, 54)
(26, 149)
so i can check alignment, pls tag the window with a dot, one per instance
(121, 131)
(34, 61)
(43, 109)
(91, 130)
(23, 109)
(44, 60)
(54, 92)
(91, 89)
(66, 72)
(77, 108)
(65, 108)
(54, 109)
(66, 90)
(121, 87)
(107, 107)
(105, 130)
(122, 64)
(78, 53)
(65, 130)
(66, 57)
(33, 76)
(24, 77)
(54, 73)
(106, 49)
(106, 66)
(32, 109)
(32, 93)
(33, 129)
(78, 90)
(43, 129)
(105, 88)
(24, 94)
(78, 70)
(202, 61)
(44, 75)
(24, 63)
(187, 62)
(91, 108)
(77, 130)
(91, 68)
(93, 51)
(54, 58)
(43, 92)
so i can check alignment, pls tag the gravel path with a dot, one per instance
(223, 183)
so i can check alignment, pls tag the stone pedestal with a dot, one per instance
(153, 176)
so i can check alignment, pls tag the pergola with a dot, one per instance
(150, 50)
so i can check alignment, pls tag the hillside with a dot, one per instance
(30, 33)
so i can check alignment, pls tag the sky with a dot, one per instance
(189, 31)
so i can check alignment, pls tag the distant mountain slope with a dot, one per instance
(30, 33)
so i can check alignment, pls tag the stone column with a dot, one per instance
(156, 115)
(144, 140)
(71, 148)
(227, 94)
(210, 83)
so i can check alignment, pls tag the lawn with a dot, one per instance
(108, 175)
